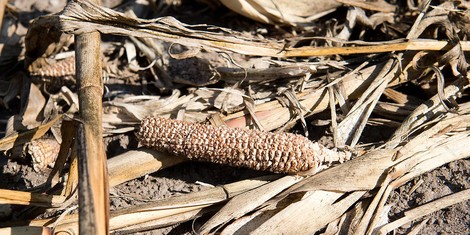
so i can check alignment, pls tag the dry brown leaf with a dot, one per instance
(358, 16)
(246, 202)
(161, 223)
(373, 5)
(16, 139)
(444, 149)
(293, 13)
(362, 173)
(319, 207)
(393, 111)
(439, 15)
(32, 111)
(351, 218)
(42, 42)
(402, 98)
(245, 224)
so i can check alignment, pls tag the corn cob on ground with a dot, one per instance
(43, 153)
(56, 75)
(259, 150)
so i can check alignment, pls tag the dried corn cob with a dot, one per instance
(259, 150)
(43, 152)
(56, 75)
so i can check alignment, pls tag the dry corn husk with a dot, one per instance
(282, 11)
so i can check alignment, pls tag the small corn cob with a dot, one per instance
(56, 75)
(43, 153)
(259, 150)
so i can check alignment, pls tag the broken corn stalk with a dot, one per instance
(259, 150)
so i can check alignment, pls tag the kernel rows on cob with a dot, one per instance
(280, 153)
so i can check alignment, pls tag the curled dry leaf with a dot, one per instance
(287, 12)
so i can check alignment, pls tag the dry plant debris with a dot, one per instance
(192, 80)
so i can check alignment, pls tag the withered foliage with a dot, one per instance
(278, 67)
